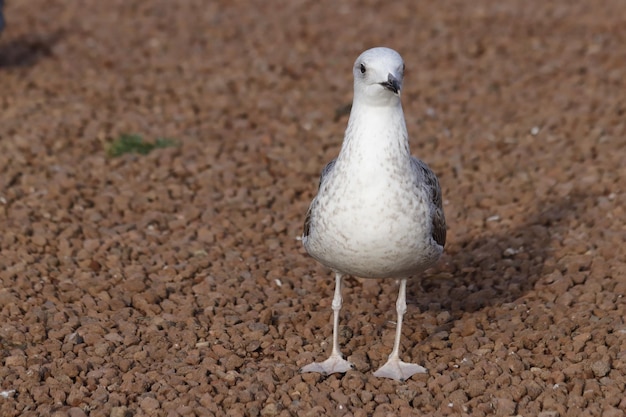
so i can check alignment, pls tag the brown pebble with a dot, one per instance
(504, 406)
(15, 361)
(76, 412)
(39, 240)
(601, 368)
(149, 404)
(270, 410)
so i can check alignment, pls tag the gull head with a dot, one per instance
(378, 74)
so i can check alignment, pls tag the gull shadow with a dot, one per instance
(497, 268)
(27, 50)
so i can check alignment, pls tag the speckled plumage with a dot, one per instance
(378, 212)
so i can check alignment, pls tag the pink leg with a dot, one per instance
(336, 362)
(395, 368)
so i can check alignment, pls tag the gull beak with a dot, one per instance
(392, 84)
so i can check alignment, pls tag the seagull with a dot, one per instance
(378, 212)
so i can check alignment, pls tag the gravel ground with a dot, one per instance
(173, 284)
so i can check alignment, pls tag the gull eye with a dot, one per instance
(363, 69)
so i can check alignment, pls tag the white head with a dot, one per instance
(378, 74)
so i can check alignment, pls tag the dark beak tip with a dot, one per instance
(392, 84)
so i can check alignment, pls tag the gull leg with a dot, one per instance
(395, 368)
(336, 362)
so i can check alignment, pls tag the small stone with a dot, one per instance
(476, 388)
(15, 360)
(443, 317)
(76, 412)
(39, 240)
(366, 396)
(504, 407)
(612, 412)
(232, 362)
(269, 410)
(149, 404)
(601, 368)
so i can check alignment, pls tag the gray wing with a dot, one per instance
(432, 184)
(307, 220)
